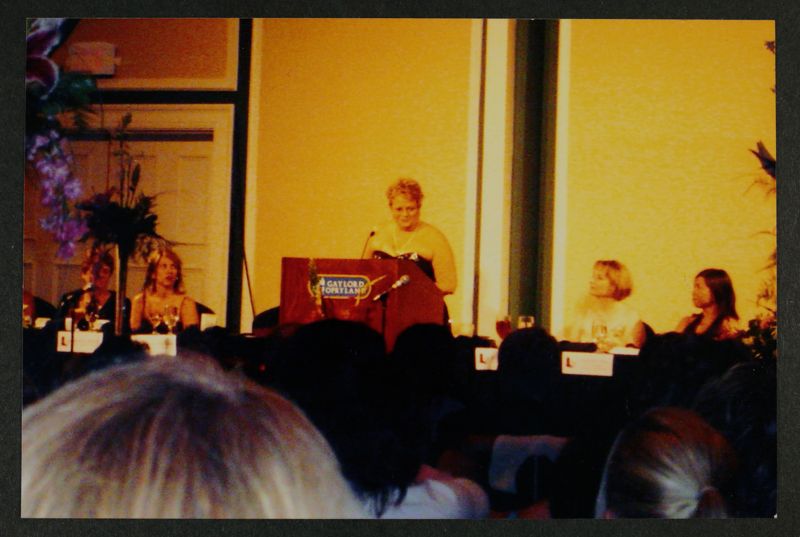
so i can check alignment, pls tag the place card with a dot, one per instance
(86, 342)
(587, 363)
(625, 351)
(207, 320)
(485, 359)
(158, 344)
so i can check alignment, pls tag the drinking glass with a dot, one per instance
(599, 333)
(525, 321)
(503, 325)
(171, 317)
(155, 320)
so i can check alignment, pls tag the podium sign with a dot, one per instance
(347, 290)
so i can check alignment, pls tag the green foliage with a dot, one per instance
(123, 215)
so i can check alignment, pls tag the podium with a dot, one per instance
(347, 290)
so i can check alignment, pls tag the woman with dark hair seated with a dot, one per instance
(94, 299)
(668, 464)
(337, 372)
(713, 294)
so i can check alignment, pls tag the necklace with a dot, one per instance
(398, 251)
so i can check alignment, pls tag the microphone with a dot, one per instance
(71, 300)
(401, 281)
(366, 242)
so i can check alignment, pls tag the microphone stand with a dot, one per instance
(366, 242)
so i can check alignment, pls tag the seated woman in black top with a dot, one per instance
(713, 294)
(407, 237)
(94, 298)
(163, 293)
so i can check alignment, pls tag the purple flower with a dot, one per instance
(39, 69)
(72, 188)
(35, 143)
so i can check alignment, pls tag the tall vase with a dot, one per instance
(122, 290)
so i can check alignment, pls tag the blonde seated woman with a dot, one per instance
(408, 237)
(163, 291)
(176, 439)
(602, 317)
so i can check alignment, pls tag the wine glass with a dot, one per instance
(525, 321)
(91, 314)
(599, 333)
(155, 320)
(171, 317)
(503, 325)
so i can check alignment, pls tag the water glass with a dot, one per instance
(525, 321)
(155, 320)
(171, 317)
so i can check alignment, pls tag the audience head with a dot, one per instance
(742, 406)
(528, 364)
(175, 438)
(337, 372)
(610, 278)
(714, 286)
(672, 368)
(668, 464)
(424, 359)
(165, 267)
(97, 267)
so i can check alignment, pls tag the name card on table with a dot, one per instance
(485, 359)
(158, 344)
(587, 363)
(624, 351)
(85, 342)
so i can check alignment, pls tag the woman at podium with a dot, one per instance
(408, 237)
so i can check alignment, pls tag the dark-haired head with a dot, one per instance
(672, 367)
(337, 373)
(742, 406)
(721, 287)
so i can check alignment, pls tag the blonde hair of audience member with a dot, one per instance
(610, 284)
(163, 286)
(406, 234)
(176, 439)
(670, 463)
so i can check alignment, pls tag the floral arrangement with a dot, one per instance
(49, 95)
(122, 215)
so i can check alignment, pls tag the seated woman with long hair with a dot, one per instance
(669, 463)
(602, 317)
(176, 439)
(713, 294)
(163, 290)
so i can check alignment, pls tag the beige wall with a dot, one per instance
(659, 119)
(345, 107)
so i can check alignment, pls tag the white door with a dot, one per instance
(185, 157)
